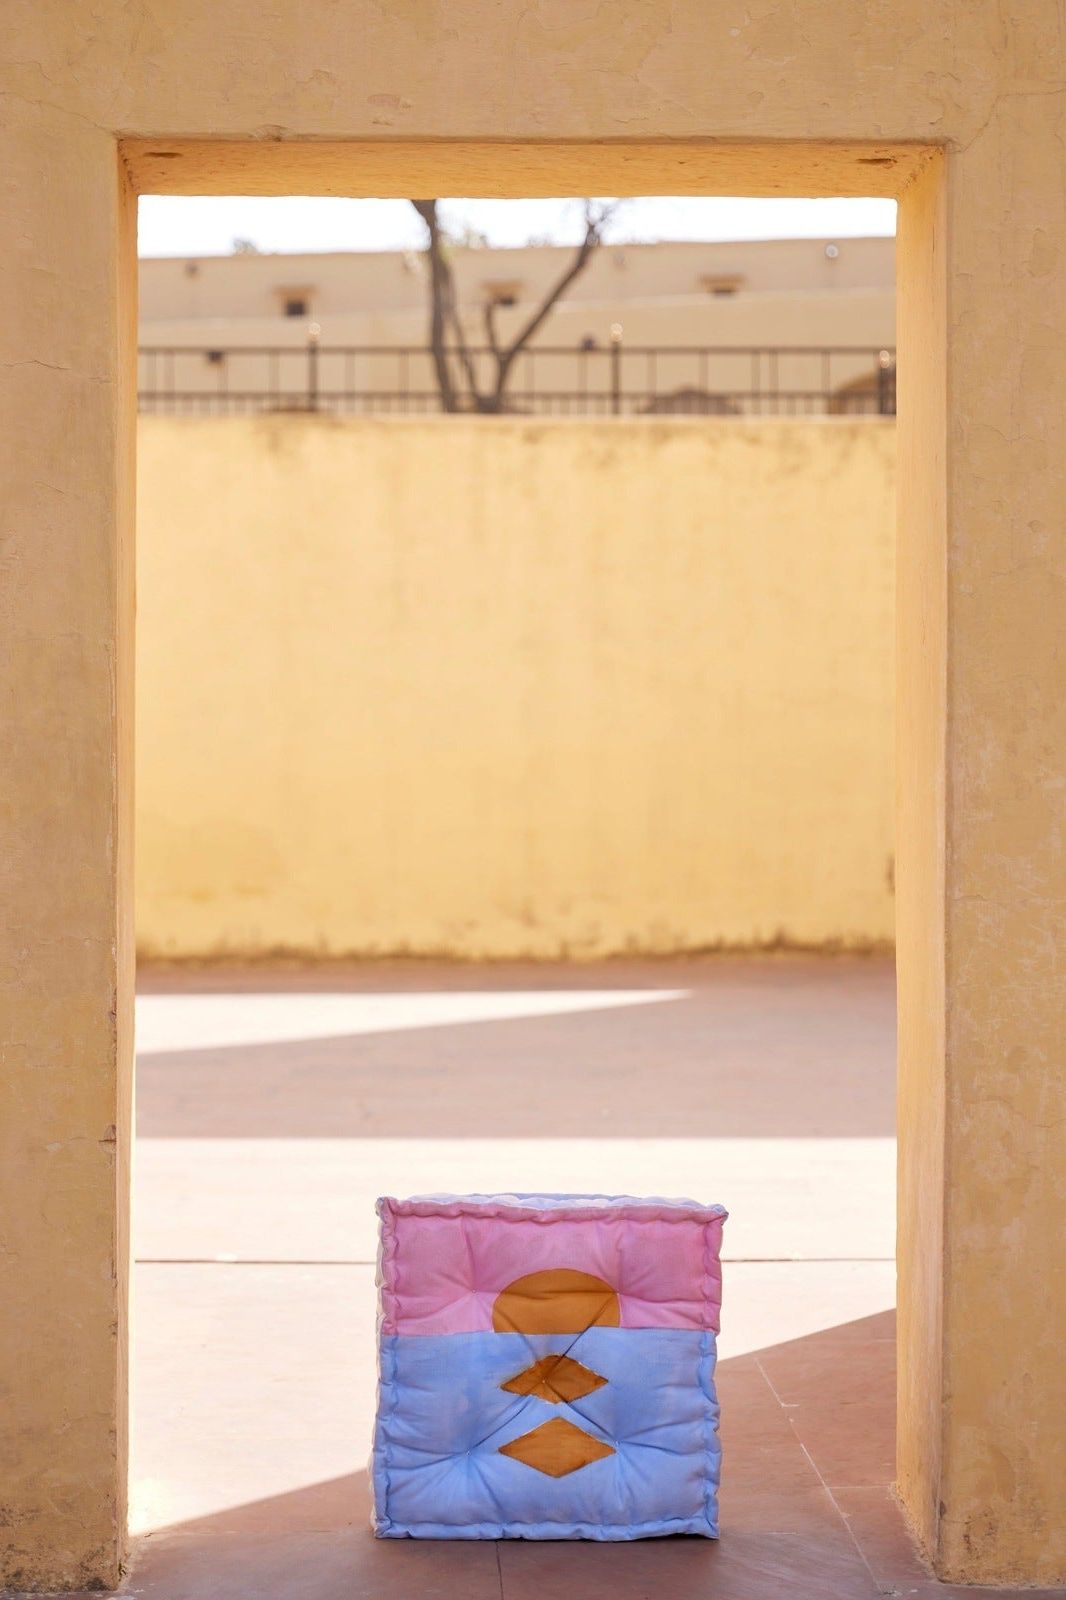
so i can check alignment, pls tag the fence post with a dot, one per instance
(616, 368)
(313, 335)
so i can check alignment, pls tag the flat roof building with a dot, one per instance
(770, 296)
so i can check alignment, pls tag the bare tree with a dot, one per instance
(454, 364)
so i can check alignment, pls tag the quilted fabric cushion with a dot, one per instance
(547, 1367)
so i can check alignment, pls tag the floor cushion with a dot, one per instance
(546, 1367)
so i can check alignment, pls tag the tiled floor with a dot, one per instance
(270, 1120)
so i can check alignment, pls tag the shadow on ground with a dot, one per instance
(773, 1048)
(807, 1509)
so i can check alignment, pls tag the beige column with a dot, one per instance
(920, 705)
(67, 285)
(1003, 1486)
(982, 910)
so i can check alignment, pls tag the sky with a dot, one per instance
(211, 225)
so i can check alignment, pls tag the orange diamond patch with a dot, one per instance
(555, 1378)
(557, 1447)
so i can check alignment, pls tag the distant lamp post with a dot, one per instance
(314, 334)
(886, 384)
(616, 368)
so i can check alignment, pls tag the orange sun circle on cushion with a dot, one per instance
(557, 1300)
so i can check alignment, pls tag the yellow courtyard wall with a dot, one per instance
(489, 687)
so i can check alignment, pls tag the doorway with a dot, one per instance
(256, 1107)
(106, 825)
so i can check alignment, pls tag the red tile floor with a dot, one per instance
(273, 1108)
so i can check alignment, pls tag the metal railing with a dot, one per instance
(546, 380)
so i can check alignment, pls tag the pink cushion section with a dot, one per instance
(444, 1263)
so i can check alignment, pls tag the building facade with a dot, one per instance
(784, 327)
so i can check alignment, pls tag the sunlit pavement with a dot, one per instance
(273, 1108)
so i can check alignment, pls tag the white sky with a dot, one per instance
(208, 225)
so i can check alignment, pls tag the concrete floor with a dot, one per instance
(272, 1109)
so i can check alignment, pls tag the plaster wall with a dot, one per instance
(66, 950)
(961, 113)
(499, 688)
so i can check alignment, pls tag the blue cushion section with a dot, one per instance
(442, 1417)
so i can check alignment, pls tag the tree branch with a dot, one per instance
(595, 223)
(444, 315)
(490, 327)
(445, 318)
(465, 358)
(438, 270)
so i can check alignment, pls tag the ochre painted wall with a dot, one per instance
(506, 688)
